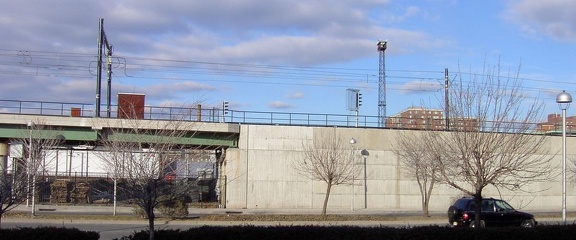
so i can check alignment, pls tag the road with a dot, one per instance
(107, 230)
(119, 228)
(110, 229)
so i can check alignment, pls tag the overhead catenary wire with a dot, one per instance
(82, 66)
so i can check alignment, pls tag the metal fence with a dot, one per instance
(200, 114)
(192, 113)
(42, 107)
(99, 189)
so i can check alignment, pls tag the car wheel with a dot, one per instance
(473, 224)
(528, 223)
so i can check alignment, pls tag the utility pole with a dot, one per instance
(99, 70)
(102, 40)
(109, 78)
(446, 98)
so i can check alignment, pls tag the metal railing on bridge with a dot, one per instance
(192, 113)
(200, 114)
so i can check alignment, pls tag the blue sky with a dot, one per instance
(286, 56)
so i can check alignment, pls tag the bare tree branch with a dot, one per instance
(34, 160)
(501, 149)
(327, 159)
(419, 161)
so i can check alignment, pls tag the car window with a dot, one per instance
(461, 203)
(488, 206)
(471, 206)
(503, 206)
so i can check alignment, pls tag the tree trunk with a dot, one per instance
(149, 205)
(151, 225)
(427, 197)
(328, 188)
(425, 212)
(150, 213)
(478, 208)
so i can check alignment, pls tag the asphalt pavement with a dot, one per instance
(79, 217)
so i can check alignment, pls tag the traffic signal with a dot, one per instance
(218, 153)
(225, 107)
(358, 99)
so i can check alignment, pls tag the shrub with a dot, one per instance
(139, 211)
(174, 208)
(354, 232)
(47, 233)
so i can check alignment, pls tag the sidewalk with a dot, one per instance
(127, 210)
(405, 217)
(74, 215)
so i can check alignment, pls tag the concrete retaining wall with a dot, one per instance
(260, 175)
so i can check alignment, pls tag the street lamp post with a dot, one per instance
(352, 143)
(365, 154)
(564, 99)
(30, 125)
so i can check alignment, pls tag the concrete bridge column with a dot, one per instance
(3, 159)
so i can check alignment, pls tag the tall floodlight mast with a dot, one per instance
(382, 84)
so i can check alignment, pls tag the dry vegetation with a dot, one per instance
(240, 217)
(308, 217)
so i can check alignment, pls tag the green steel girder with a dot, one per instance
(64, 133)
(200, 138)
(83, 134)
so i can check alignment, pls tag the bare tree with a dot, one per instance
(35, 148)
(31, 159)
(572, 168)
(490, 140)
(419, 159)
(13, 186)
(327, 159)
(144, 155)
(139, 155)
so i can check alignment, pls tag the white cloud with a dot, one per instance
(415, 87)
(409, 12)
(168, 91)
(553, 18)
(296, 33)
(295, 95)
(279, 105)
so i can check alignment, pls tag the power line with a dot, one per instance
(82, 66)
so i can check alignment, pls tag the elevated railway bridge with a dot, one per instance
(249, 155)
(80, 134)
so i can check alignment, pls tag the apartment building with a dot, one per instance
(420, 118)
(417, 118)
(554, 124)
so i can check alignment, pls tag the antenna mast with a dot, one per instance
(382, 45)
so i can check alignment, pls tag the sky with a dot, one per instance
(283, 56)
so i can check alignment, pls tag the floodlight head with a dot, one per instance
(382, 45)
